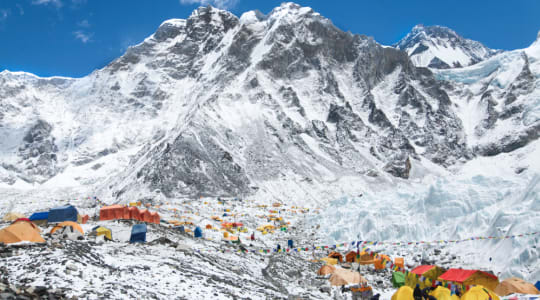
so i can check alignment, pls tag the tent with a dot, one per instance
(155, 217)
(39, 218)
(12, 216)
(351, 256)
(336, 255)
(85, 219)
(133, 213)
(61, 214)
(479, 293)
(537, 285)
(345, 277)
(112, 212)
(442, 293)
(428, 271)
(138, 234)
(329, 261)
(326, 269)
(470, 277)
(515, 286)
(100, 230)
(19, 231)
(198, 232)
(74, 225)
(398, 279)
(399, 262)
(365, 258)
(403, 293)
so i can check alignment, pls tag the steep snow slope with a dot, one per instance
(442, 48)
(287, 107)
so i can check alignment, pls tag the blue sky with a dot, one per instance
(74, 37)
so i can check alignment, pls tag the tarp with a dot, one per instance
(138, 234)
(21, 231)
(398, 279)
(198, 232)
(326, 269)
(38, 216)
(403, 293)
(479, 293)
(12, 216)
(515, 286)
(61, 214)
(345, 277)
(66, 224)
(470, 277)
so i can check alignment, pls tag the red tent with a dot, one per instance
(422, 269)
(237, 224)
(460, 275)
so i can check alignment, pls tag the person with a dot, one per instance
(253, 236)
(278, 247)
(417, 293)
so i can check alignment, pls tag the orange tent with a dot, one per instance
(336, 255)
(146, 216)
(134, 213)
(85, 219)
(155, 217)
(351, 256)
(515, 286)
(326, 269)
(399, 262)
(112, 212)
(68, 223)
(19, 231)
(208, 226)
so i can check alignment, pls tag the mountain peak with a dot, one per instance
(441, 47)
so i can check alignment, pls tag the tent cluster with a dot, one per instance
(119, 212)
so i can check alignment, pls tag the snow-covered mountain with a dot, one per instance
(287, 106)
(442, 48)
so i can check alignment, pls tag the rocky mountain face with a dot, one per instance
(439, 47)
(221, 105)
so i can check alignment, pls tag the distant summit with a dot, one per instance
(442, 48)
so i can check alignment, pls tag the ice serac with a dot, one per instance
(439, 47)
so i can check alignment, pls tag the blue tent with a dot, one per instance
(63, 213)
(138, 234)
(44, 215)
(537, 285)
(198, 232)
(290, 244)
(180, 228)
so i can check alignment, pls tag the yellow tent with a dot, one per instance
(430, 273)
(21, 231)
(441, 293)
(404, 293)
(104, 231)
(330, 261)
(12, 216)
(479, 293)
(515, 286)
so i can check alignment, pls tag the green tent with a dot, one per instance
(398, 279)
